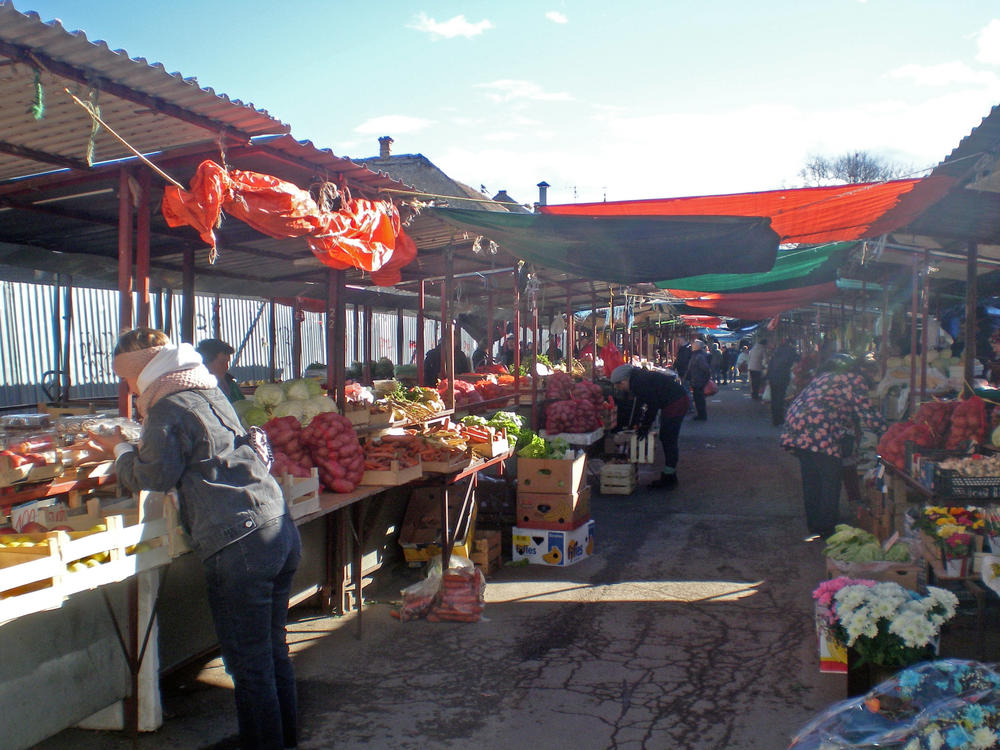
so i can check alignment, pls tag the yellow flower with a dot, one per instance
(946, 519)
(978, 524)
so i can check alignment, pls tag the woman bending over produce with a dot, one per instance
(234, 512)
(660, 394)
(820, 427)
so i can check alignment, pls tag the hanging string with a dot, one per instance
(223, 157)
(95, 128)
(37, 109)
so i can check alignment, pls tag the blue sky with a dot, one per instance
(619, 100)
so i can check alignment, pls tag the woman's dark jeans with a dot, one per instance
(248, 588)
(670, 430)
(821, 479)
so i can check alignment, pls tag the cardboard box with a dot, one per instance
(550, 475)
(420, 534)
(909, 575)
(540, 510)
(555, 548)
(487, 550)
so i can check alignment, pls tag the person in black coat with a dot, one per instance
(699, 372)
(654, 393)
(433, 365)
(779, 375)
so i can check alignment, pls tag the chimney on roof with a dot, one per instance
(543, 193)
(384, 147)
(502, 196)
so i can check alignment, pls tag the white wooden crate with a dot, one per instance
(301, 493)
(618, 479)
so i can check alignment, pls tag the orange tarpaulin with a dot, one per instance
(803, 215)
(362, 234)
(702, 321)
(756, 305)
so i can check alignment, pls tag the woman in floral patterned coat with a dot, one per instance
(820, 427)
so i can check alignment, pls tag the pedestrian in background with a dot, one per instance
(755, 364)
(699, 372)
(779, 375)
(715, 361)
(741, 363)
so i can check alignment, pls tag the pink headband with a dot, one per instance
(128, 365)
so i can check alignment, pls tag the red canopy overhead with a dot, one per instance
(803, 215)
(756, 305)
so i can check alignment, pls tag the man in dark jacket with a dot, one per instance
(682, 359)
(779, 375)
(654, 393)
(699, 372)
(433, 366)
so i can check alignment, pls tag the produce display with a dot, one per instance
(380, 453)
(559, 386)
(951, 425)
(572, 415)
(850, 544)
(290, 454)
(466, 394)
(975, 465)
(302, 399)
(335, 451)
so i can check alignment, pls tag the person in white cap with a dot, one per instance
(659, 394)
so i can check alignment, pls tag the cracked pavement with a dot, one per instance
(690, 627)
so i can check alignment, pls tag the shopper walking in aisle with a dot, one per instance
(755, 364)
(820, 427)
(699, 372)
(741, 363)
(234, 512)
(715, 362)
(779, 375)
(655, 393)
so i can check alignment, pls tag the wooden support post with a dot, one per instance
(420, 335)
(142, 250)
(490, 325)
(168, 311)
(400, 333)
(924, 309)
(971, 295)
(517, 340)
(67, 338)
(366, 312)
(187, 297)
(914, 314)
(448, 326)
(357, 332)
(272, 339)
(339, 363)
(883, 348)
(124, 278)
(217, 319)
(534, 374)
(57, 347)
(297, 316)
(331, 337)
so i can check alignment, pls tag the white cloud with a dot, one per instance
(392, 124)
(944, 74)
(556, 17)
(501, 136)
(451, 28)
(508, 90)
(988, 41)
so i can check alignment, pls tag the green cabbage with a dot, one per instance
(290, 409)
(509, 421)
(269, 395)
(296, 390)
(255, 415)
(315, 387)
(898, 552)
(535, 448)
(473, 419)
(242, 406)
(313, 406)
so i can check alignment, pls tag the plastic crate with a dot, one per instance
(952, 484)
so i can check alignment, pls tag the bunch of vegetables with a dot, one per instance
(460, 598)
(404, 449)
(937, 416)
(465, 393)
(892, 445)
(850, 544)
(538, 447)
(335, 450)
(559, 386)
(572, 415)
(290, 454)
(302, 398)
(968, 422)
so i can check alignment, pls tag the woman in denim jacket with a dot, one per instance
(234, 512)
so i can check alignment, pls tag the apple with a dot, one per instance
(62, 527)
(33, 527)
(7, 530)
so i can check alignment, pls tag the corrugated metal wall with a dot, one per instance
(27, 346)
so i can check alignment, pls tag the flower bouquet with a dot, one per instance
(939, 705)
(890, 626)
(951, 536)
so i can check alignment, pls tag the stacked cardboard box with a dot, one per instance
(553, 512)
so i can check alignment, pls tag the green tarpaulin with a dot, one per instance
(627, 249)
(793, 268)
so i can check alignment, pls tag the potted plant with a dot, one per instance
(886, 627)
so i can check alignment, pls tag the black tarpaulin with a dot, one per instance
(627, 249)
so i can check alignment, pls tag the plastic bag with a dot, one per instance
(454, 596)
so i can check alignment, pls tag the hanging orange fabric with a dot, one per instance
(362, 234)
(406, 250)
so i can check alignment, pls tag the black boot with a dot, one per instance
(665, 482)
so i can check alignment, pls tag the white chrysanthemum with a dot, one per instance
(945, 599)
(984, 737)
(851, 597)
(883, 608)
(915, 631)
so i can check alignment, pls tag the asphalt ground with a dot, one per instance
(691, 626)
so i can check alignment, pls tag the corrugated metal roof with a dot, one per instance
(150, 108)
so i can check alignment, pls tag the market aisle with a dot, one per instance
(691, 627)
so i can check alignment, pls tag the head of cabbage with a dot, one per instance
(298, 390)
(268, 395)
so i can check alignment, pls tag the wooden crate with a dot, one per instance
(394, 476)
(642, 451)
(301, 493)
(487, 550)
(618, 479)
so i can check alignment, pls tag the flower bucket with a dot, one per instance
(958, 567)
